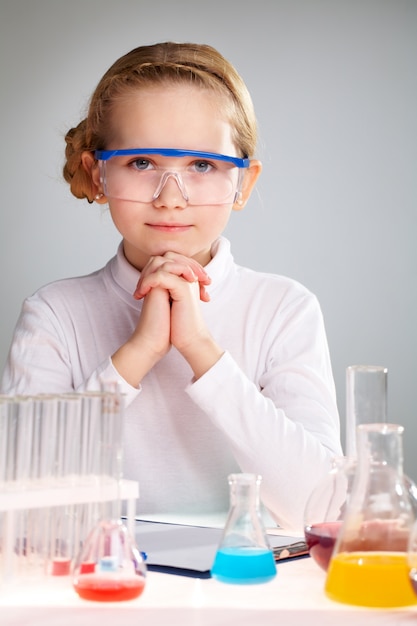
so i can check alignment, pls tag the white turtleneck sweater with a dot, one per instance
(267, 406)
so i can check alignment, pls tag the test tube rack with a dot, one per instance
(60, 472)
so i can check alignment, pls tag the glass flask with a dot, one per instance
(366, 403)
(325, 510)
(369, 562)
(244, 555)
(412, 558)
(109, 567)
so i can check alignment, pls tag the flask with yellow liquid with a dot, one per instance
(369, 564)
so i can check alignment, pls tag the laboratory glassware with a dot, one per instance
(368, 566)
(244, 555)
(109, 567)
(325, 509)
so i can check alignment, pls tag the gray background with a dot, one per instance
(335, 88)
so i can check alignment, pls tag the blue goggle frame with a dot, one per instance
(105, 155)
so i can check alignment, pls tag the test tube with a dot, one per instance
(46, 407)
(23, 440)
(60, 542)
(25, 432)
(366, 400)
(71, 414)
(91, 435)
(68, 437)
(5, 404)
(36, 442)
(30, 557)
(112, 411)
(11, 446)
(19, 542)
(38, 535)
(112, 438)
(7, 463)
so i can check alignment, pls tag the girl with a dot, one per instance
(223, 369)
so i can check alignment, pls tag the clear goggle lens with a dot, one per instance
(201, 181)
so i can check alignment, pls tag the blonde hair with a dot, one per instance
(161, 63)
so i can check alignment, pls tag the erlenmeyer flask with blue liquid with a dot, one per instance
(244, 555)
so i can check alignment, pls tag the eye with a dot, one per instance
(202, 167)
(141, 164)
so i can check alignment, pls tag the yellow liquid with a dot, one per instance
(374, 579)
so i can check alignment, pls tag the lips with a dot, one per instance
(168, 227)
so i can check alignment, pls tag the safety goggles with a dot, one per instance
(203, 178)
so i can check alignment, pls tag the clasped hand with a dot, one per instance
(172, 287)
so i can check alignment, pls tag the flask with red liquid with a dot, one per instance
(110, 567)
(325, 510)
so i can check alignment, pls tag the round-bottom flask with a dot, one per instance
(244, 555)
(109, 568)
(325, 510)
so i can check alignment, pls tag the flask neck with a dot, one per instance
(244, 491)
(381, 446)
(379, 489)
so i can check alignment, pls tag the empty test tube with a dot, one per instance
(46, 408)
(366, 400)
(5, 403)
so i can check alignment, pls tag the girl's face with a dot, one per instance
(180, 116)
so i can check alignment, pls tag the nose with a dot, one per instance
(173, 191)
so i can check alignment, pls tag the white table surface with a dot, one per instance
(295, 597)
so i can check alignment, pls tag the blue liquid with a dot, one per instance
(244, 565)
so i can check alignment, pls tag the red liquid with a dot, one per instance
(108, 589)
(320, 539)
(61, 567)
(87, 567)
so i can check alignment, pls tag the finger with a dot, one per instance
(152, 276)
(177, 286)
(153, 279)
(139, 294)
(204, 294)
(156, 262)
(198, 269)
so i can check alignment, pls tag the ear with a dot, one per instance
(90, 166)
(250, 177)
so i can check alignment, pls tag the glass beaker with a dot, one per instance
(110, 567)
(325, 510)
(244, 555)
(369, 562)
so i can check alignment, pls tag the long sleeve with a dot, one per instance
(286, 428)
(47, 356)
